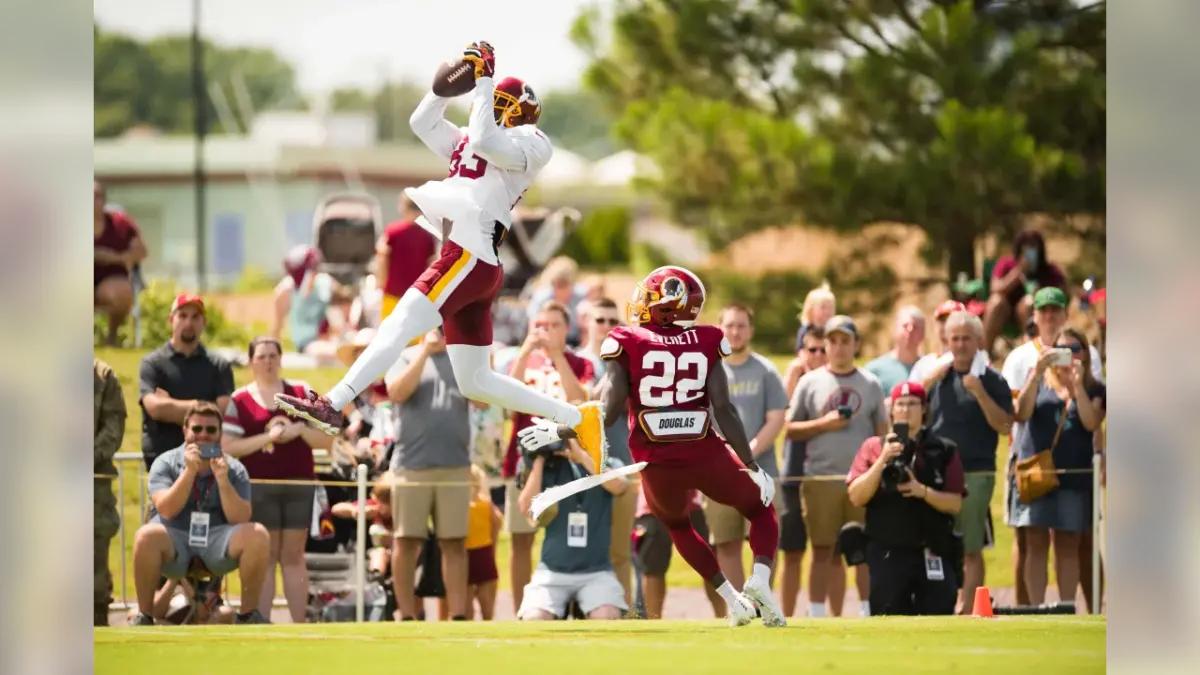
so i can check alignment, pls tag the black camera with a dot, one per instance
(548, 451)
(896, 470)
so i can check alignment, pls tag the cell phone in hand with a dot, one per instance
(845, 411)
(210, 450)
(901, 431)
(1061, 356)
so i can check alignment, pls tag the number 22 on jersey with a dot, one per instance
(659, 386)
(478, 165)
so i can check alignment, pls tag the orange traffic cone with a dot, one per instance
(983, 603)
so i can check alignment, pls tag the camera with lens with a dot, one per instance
(896, 470)
(550, 452)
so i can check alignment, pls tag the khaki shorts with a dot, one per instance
(726, 524)
(974, 521)
(826, 508)
(413, 506)
(515, 522)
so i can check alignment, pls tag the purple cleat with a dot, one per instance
(316, 410)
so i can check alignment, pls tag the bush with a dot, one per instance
(155, 302)
(601, 240)
(775, 297)
(254, 280)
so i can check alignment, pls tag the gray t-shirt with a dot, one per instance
(820, 391)
(955, 414)
(435, 427)
(204, 495)
(756, 389)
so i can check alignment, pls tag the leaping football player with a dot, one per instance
(665, 372)
(492, 162)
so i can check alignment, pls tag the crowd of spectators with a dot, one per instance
(450, 477)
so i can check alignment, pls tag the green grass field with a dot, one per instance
(1064, 644)
(125, 363)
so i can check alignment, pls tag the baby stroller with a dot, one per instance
(345, 228)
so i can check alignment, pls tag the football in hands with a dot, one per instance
(454, 79)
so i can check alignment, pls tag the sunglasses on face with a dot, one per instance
(203, 428)
(610, 321)
(815, 350)
(1074, 347)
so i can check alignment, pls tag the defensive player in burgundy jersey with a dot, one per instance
(665, 373)
(492, 162)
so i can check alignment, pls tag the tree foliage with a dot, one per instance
(151, 82)
(960, 117)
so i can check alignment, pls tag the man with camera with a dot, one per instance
(575, 562)
(200, 518)
(911, 485)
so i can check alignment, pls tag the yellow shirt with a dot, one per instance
(479, 524)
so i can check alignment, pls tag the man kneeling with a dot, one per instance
(575, 562)
(200, 511)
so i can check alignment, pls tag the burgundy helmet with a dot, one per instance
(668, 296)
(514, 103)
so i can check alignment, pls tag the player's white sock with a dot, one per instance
(727, 592)
(477, 380)
(761, 574)
(816, 609)
(413, 316)
(865, 607)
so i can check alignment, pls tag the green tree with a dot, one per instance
(960, 117)
(578, 121)
(151, 82)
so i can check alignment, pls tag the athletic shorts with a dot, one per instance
(654, 542)
(462, 287)
(793, 532)
(827, 508)
(974, 521)
(481, 565)
(282, 507)
(414, 505)
(551, 591)
(215, 555)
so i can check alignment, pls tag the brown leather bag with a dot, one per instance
(1036, 475)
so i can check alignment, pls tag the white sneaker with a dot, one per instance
(741, 610)
(760, 594)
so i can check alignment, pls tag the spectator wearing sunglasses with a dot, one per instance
(199, 518)
(908, 334)
(597, 318)
(1066, 397)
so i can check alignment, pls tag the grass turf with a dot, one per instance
(125, 363)
(1065, 644)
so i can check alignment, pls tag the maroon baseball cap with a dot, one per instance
(947, 308)
(908, 389)
(187, 299)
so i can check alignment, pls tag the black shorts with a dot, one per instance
(653, 541)
(793, 533)
(282, 507)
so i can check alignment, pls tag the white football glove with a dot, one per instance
(541, 433)
(766, 485)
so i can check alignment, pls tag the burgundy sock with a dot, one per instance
(695, 550)
(764, 533)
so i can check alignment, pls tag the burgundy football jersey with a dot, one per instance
(668, 368)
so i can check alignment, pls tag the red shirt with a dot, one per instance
(410, 248)
(872, 448)
(668, 371)
(118, 235)
(291, 460)
(541, 374)
(1049, 275)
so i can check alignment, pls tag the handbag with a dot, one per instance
(1036, 475)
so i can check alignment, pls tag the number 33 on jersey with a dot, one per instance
(668, 370)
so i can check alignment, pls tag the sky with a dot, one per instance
(337, 43)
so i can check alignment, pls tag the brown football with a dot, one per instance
(454, 79)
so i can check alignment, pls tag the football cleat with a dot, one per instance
(590, 432)
(316, 410)
(764, 600)
(741, 611)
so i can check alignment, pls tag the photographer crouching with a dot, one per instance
(911, 483)
(575, 561)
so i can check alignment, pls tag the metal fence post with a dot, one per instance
(121, 531)
(1097, 539)
(360, 545)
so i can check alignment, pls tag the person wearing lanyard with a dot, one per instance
(575, 562)
(199, 518)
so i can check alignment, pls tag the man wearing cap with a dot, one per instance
(933, 366)
(177, 375)
(1049, 316)
(972, 408)
(834, 409)
(911, 485)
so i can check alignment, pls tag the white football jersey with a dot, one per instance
(490, 169)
